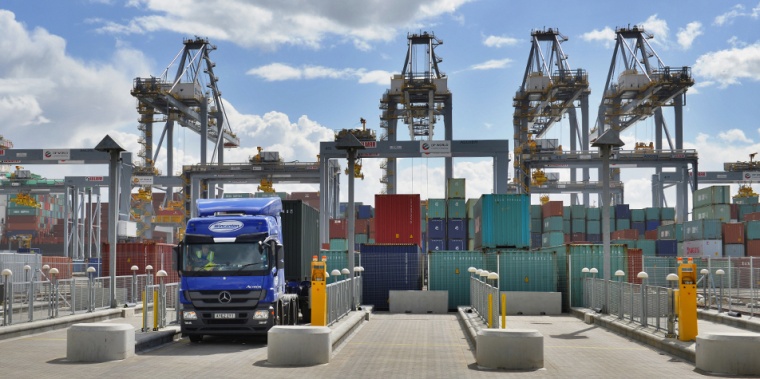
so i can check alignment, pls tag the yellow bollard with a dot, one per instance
(144, 312)
(503, 311)
(686, 301)
(318, 295)
(490, 310)
(155, 309)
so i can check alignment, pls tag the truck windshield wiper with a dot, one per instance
(250, 264)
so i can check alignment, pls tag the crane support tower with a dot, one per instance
(638, 85)
(419, 96)
(550, 89)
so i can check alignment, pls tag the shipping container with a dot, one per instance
(635, 264)
(733, 233)
(526, 271)
(622, 224)
(436, 245)
(638, 215)
(703, 248)
(551, 209)
(650, 235)
(622, 211)
(593, 227)
(666, 248)
(338, 244)
(591, 256)
(436, 228)
(753, 248)
(553, 224)
(455, 245)
(300, 238)
(470, 204)
(652, 214)
(436, 208)
(639, 226)
(158, 255)
(455, 189)
(720, 212)
(703, 229)
(535, 211)
(711, 196)
(549, 239)
(448, 272)
(748, 213)
(652, 225)
(625, 234)
(397, 219)
(502, 221)
(456, 208)
(535, 240)
(456, 229)
(733, 250)
(389, 267)
(594, 214)
(578, 226)
(338, 228)
(752, 231)
(364, 212)
(746, 200)
(578, 212)
(536, 225)
(567, 212)
(667, 214)
(578, 238)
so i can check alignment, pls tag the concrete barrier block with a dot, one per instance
(728, 353)
(298, 345)
(418, 302)
(100, 342)
(534, 303)
(509, 349)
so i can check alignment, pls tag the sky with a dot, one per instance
(294, 72)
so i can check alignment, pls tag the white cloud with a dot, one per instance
(734, 41)
(658, 28)
(279, 72)
(275, 23)
(730, 66)
(736, 12)
(492, 64)
(606, 35)
(734, 136)
(499, 41)
(687, 35)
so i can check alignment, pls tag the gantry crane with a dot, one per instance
(184, 100)
(638, 85)
(550, 89)
(418, 96)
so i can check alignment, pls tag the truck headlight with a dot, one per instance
(189, 315)
(260, 314)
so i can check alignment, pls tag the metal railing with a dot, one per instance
(485, 301)
(339, 298)
(43, 297)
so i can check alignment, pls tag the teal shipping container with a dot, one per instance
(638, 215)
(566, 226)
(592, 256)
(704, 229)
(752, 230)
(578, 226)
(535, 211)
(594, 213)
(338, 244)
(436, 208)
(361, 238)
(448, 272)
(578, 212)
(613, 225)
(648, 247)
(745, 209)
(455, 188)
(552, 239)
(667, 214)
(720, 212)
(666, 232)
(622, 224)
(652, 214)
(711, 196)
(746, 200)
(567, 212)
(470, 204)
(593, 226)
(338, 259)
(502, 221)
(281, 195)
(553, 224)
(528, 271)
(536, 225)
(456, 208)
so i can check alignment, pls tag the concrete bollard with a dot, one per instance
(509, 349)
(100, 342)
(728, 353)
(299, 345)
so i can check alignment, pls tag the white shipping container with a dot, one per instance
(126, 229)
(703, 248)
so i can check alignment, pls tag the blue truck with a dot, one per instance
(231, 266)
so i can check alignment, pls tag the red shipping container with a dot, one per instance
(371, 227)
(158, 255)
(753, 248)
(734, 208)
(650, 234)
(63, 264)
(578, 237)
(635, 265)
(338, 228)
(23, 226)
(752, 216)
(733, 232)
(625, 234)
(552, 209)
(361, 226)
(397, 219)
(35, 219)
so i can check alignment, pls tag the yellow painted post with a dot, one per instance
(490, 310)
(144, 312)
(687, 301)
(318, 296)
(155, 309)
(503, 311)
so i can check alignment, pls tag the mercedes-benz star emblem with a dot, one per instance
(225, 297)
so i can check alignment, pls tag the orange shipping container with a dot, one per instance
(63, 264)
(634, 265)
(552, 209)
(650, 234)
(752, 216)
(753, 248)
(733, 233)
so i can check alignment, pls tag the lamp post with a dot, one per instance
(584, 276)
(606, 142)
(110, 146)
(705, 278)
(351, 144)
(90, 289)
(593, 272)
(7, 307)
(161, 274)
(720, 274)
(673, 281)
(134, 269)
(53, 273)
(358, 285)
(620, 274)
(644, 306)
(30, 295)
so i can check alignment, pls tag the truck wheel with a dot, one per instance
(293, 312)
(195, 338)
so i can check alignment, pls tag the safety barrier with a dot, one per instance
(486, 301)
(339, 298)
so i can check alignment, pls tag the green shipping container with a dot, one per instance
(237, 195)
(553, 224)
(456, 208)
(436, 208)
(648, 247)
(528, 271)
(567, 212)
(578, 226)
(667, 214)
(536, 225)
(622, 224)
(455, 188)
(720, 212)
(552, 239)
(448, 272)
(592, 256)
(752, 230)
(578, 212)
(338, 260)
(638, 215)
(593, 227)
(594, 213)
(338, 244)
(535, 211)
(23, 211)
(470, 204)
(746, 200)
(711, 195)
(652, 214)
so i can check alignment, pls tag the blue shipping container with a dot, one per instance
(364, 212)
(641, 226)
(652, 225)
(436, 228)
(666, 248)
(622, 211)
(535, 240)
(389, 268)
(457, 229)
(457, 245)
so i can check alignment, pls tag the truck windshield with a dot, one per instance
(235, 257)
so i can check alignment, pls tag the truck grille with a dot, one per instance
(238, 299)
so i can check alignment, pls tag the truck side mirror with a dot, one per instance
(177, 255)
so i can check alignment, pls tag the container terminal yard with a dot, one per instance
(510, 282)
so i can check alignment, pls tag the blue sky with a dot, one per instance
(292, 72)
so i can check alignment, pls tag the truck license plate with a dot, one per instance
(224, 315)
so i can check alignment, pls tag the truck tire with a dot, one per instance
(293, 312)
(195, 338)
